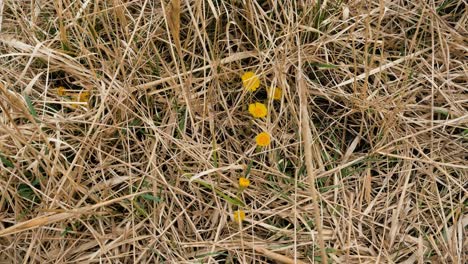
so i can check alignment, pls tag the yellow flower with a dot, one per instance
(61, 91)
(244, 182)
(239, 216)
(263, 139)
(275, 93)
(83, 97)
(250, 81)
(258, 110)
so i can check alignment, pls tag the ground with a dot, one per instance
(210, 131)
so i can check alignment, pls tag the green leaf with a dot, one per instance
(30, 106)
(443, 112)
(35, 183)
(465, 133)
(324, 65)
(229, 199)
(26, 192)
(249, 167)
(6, 162)
(442, 6)
(215, 154)
(67, 230)
(140, 209)
(150, 197)
(65, 47)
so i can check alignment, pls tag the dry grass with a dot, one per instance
(368, 162)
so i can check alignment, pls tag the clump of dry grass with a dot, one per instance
(368, 159)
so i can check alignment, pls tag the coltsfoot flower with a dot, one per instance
(258, 110)
(250, 81)
(244, 182)
(275, 93)
(239, 216)
(83, 97)
(263, 139)
(61, 91)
